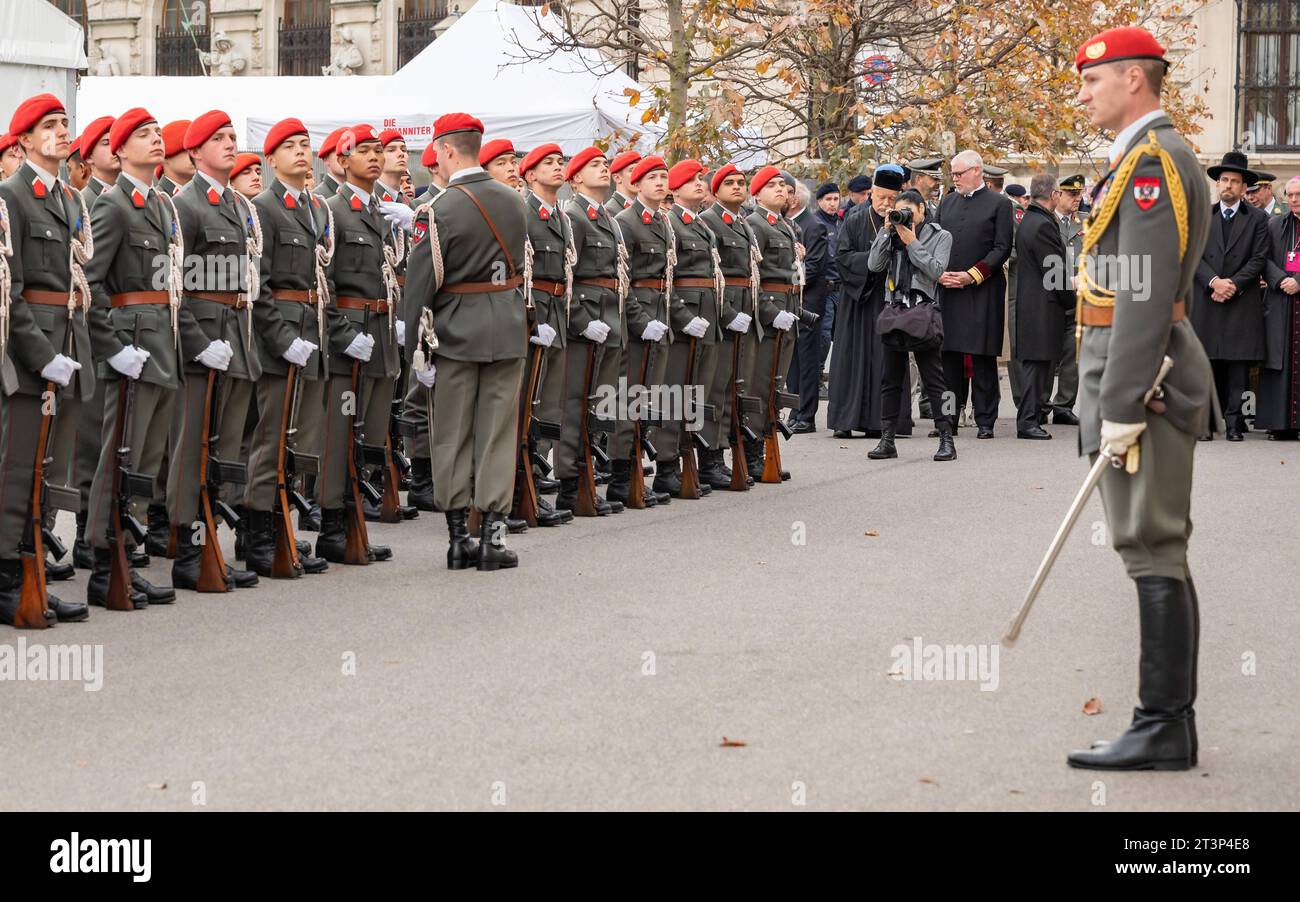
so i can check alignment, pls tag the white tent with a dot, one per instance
(41, 50)
(479, 66)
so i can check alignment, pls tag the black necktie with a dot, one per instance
(1227, 222)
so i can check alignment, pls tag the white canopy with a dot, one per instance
(486, 64)
(41, 50)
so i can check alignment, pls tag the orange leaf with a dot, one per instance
(732, 743)
(1092, 706)
(871, 532)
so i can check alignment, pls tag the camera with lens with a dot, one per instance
(901, 217)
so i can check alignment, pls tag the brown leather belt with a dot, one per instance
(737, 281)
(51, 298)
(1104, 317)
(546, 286)
(378, 305)
(779, 287)
(657, 284)
(132, 298)
(301, 295)
(611, 284)
(229, 298)
(482, 287)
(695, 282)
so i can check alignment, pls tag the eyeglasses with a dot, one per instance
(957, 175)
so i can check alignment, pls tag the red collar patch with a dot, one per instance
(67, 192)
(726, 217)
(647, 217)
(592, 212)
(356, 202)
(137, 198)
(289, 202)
(687, 217)
(38, 187)
(213, 197)
(542, 214)
(626, 204)
(388, 198)
(771, 219)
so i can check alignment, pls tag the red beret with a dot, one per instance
(624, 160)
(389, 135)
(722, 173)
(581, 159)
(455, 122)
(683, 172)
(204, 127)
(1129, 43)
(7, 141)
(32, 110)
(762, 177)
(127, 123)
(494, 149)
(93, 134)
(282, 131)
(351, 137)
(537, 154)
(243, 161)
(174, 136)
(157, 172)
(645, 167)
(429, 158)
(331, 142)
(74, 146)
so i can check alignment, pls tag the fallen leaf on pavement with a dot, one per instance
(1092, 706)
(1016, 792)
(871, 532)
(929, 782)
(157, 785)
(732, 743)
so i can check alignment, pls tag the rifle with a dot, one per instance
(641, 444)
(775, 399)
(356, 549)
(585, 505)
(212, 564)
(285, 564)
(526, 497)
(740, 431)
(686, 439)
(126, 485)
(34, 601)
(396, 468)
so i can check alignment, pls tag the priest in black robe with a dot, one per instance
(973, 294)
(857, 356)
(1278, 405)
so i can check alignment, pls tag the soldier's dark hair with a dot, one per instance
(467, 143)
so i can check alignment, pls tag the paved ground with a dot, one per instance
(532, 688)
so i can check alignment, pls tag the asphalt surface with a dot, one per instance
(606, 671)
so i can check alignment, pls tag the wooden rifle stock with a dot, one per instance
(356, 547)
(285, 563)
(636, 484)
(212, 565)
(585, 504)
(34, 601)
(526, 497)
(771, 442)
(686, 439)
(119, 571)
(739, 463)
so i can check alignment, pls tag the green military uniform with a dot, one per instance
(695, 294)
(618, 202)
(168, 186)
(1067, 371)
(550, 236)
(43, 221)
(776, 242)
(415, 408)
(328, 186)
(215, 226)
(598, 245)
(738, 252)
(134, 231)
(471, 283)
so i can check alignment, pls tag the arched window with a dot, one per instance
(304, 37)
(415, 22)
(183, 31)
(1269, 81)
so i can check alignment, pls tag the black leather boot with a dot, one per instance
(462, 551)
(83, 556)
(67, 611)
(620, 482)
(1160, 737)
(492, 551)
(754, 457)
(155, 594)
(97, 587)
(420, 494)
(311, 522)
(332, 540)
(185, 566)
(11, 591)
(885, 449)
(241, 533)
(160, 531)
(57, 572)
(947, 450)
(711, 470)
(668, 479)
(259, 545)
(549, 516)
(568, 494)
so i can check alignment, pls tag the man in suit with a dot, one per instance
(1152, 204)
(1042, 297)
(464, 280)
(289, 327)
(973, 294)
(215, 334)
(136, 238)
(47, 341)
(597, 321)
(805, 376)
(1229, 315)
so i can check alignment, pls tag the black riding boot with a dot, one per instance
(462, 552)
(1161, 735)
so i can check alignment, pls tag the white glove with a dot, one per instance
(361, 348)
(401, 333)
(397, 214)
(299, 352)
(740, 323)
(545, 335)
(784, 320)
(426, 376)
(60, 370)
(129, 361)
(217, 355)
(596, 331)
(1117, 438)
(696, 327)
(654, 330)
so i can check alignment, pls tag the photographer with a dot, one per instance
(912, 253)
